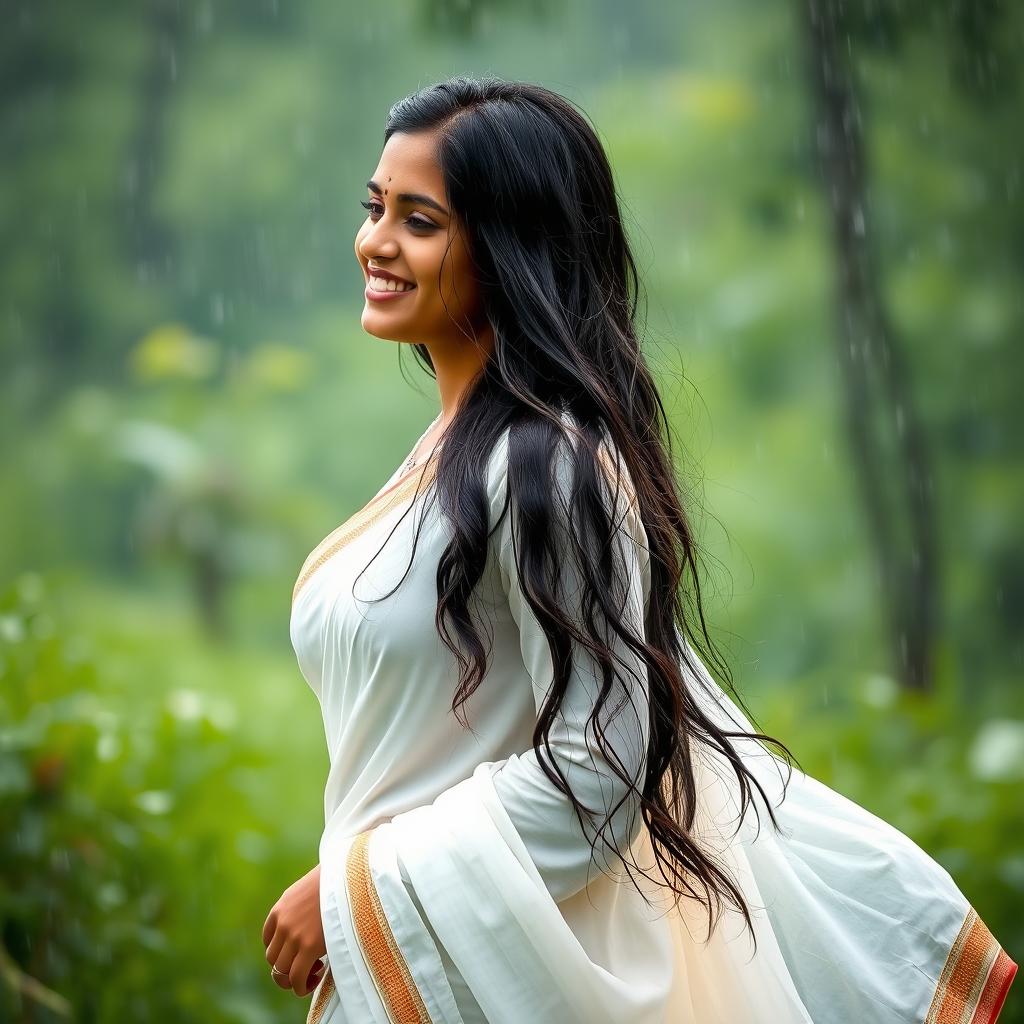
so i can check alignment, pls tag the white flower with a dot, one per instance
(998, 750)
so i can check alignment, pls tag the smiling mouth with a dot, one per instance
(386, 286)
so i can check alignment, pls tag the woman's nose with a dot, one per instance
(378, 241)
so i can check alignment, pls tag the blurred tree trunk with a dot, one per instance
(886, 438)
(149, 241)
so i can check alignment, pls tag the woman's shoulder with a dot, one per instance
(611, 464)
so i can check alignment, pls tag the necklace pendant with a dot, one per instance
(412, 460)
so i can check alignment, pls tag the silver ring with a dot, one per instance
(280, 974)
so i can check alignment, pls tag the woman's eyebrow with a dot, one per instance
(410, 197)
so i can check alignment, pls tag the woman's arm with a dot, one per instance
(543, 815)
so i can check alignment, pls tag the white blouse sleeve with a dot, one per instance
(543, 815)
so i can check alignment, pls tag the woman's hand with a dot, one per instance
(294, 935)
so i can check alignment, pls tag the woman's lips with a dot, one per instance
(376, 296)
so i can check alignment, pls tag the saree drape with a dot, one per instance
(457, 885)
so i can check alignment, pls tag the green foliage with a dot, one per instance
(126, 828)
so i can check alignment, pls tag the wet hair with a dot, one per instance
(531, 186)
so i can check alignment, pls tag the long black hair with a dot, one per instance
(529, 181)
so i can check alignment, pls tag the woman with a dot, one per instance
(540, 805)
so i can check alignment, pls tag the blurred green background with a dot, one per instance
(827, 215)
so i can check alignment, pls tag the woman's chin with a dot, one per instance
(382, 325)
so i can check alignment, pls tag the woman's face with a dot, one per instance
(410, 233)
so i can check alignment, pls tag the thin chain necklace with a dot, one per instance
(412, 461)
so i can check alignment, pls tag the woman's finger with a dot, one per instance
(274, 949)
(301, 968)
(284, 963)
(314, 976)
(269, 926)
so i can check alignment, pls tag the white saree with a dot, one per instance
(457, 885)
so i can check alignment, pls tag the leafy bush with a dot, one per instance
(119, 898)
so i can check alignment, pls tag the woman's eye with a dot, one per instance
(413, 222)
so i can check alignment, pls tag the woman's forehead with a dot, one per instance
(408, 163)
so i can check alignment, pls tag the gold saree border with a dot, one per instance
(975, 977)
(321, 998)
(361, 521)
(390, 972)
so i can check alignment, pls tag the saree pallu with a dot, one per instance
(854, 922)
